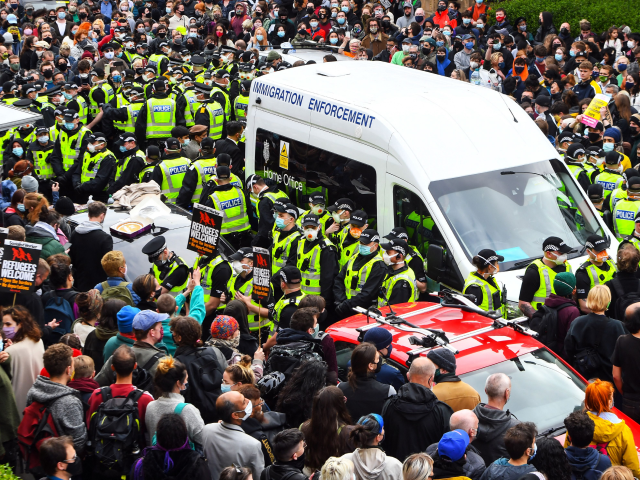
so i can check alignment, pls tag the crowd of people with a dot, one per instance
(182, 373)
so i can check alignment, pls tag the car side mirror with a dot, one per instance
(435, 262)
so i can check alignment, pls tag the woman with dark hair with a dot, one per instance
(89, 309)
(28, 52)
(329, 414)
(107, 328)
(551, 460)
(25, 348)
(608, 56)
(248, 344)
(370, 461)
(221, 36)
(363, 392)
(171, 458)
(171, 380)
(145, 286)
(296, 397)
(17, 150)
(14, 213)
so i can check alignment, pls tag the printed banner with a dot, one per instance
(206, 224)
(261, 273)
(19, 266)
(591, 115)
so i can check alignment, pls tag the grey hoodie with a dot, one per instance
(65, 407)
(373, 464)
(88, 226)
(493, 424)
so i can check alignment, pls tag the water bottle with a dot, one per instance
(90, 199)
(475, 77)
(110, 201)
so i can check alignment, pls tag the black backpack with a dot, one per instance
(624, 299)
(545, 322)
(205, 378)
(115, 433)
(141, 376)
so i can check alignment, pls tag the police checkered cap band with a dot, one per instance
(398, 248)
(252, 180)
(579, 151)
(283, 276)
(70, 86)
(98, 138)
(551, 247)
(343, 206)
(402, 236)
(129, 138)
(30, 89)
(375, 238)
(158, 252)
(291, 212)
(490, 260)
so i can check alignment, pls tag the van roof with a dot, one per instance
(422, 118)
(15, 117)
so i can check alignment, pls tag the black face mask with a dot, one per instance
(299, 463)
(379, 365)
(48, 74)
(426, 51)
(594, 136)
(74, 468)
(162, 34)
(310, 9)
(139, 71)
(386, 24)
(82, 15)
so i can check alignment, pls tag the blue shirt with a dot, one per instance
(106, 9)
(114, 282)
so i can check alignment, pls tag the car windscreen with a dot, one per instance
(543, 389)
(513, 211)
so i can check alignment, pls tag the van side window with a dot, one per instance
(300, 169)
(411, 214)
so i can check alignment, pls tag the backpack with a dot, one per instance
(115, 433)
(119, 292)
(601, 448)
(624, 299)
(36, 426)
(142, 379)
(545, 322)
(205, 377)
(60, 309)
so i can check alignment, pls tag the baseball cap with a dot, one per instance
(574, 150)
(290, 274)
(358, 218)
(310, 220)
(343, 204)
(172, 144)
(595, 192)
(317, 198)
(613, 158)
(396, 244)
(286, 208)
(153, 152)
(633, 185)
(223, 172)
(489, 256)
(397, 232)
(146, 319)
(596, 242)
(369, 235)
(244, 252)
(453, 445)
(556, 244)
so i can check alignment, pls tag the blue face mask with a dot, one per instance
(61, 15)
(333, 40)
(345, 9)
(117, 78)
(259, 37)
(558, 57)
(535, 450)
(539, 59)
(608, 147)
(280, 223)
(622, 67)
(466, 21)
(69, 126)
(334, 14)
(18, 151)
(501, 65)
(224, 388)
(572, 53)
(364, 250)
(497, 46)
(68, 96)
(281, 34)
(468, 45)
(446, 33)
(439, 44)
(123, 148)
(341, 20)
(21, 207)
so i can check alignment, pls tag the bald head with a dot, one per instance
(228, 404)
(632, 310)
(498, 389)
(422, 371)
(464, 420)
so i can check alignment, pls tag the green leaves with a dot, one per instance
(601, 13)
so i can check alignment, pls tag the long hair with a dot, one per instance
(28, 327)
(238, 310)
(38, 202)
(551, 459)
(296, 398)
(597, 397)
(328, 412)
(361, 357)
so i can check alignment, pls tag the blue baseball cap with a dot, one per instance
(453, 445)
(125, 318)
(146, 319)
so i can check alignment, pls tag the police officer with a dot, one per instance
(216, 273)
(76, 102)
(348, 237)
(359, 281)
(537, 283)
(575, 158)
(101, 92)
(241, 103)
(171, 171)
(611, 177)
(317, 207)
(290, 284)
(225, 159)
(341, 213)
(160, 61)
(634, 238)
(129, 165)
(221, 94)
(595, 193)
(565, 139)
(209, 112)
(286, 236)
(413, 259)
(317, 259)
(598, 270)
(69, 148)
(620, 193)
(399, 285)
(157, 117)
(199, 173)
(230, 200)
(240, 287)
(152, 160)
(10, 93)
(181, 104)
(382, 339)
(482, 283)
(625, 210)
(39, 154)
(98, 163)
(266, 197)
(169, 269)
(123, 119)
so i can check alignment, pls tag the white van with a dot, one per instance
(461, 167)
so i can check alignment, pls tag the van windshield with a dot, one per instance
(513, 211)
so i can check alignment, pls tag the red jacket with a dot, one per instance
(477, 11)
(442, 19)
(119, 390)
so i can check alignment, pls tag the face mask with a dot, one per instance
(379, 365)
(168, 10)
(405, 48)
(468, 45)
(309, 9)
(69, 126)
(439, 43)
(15, 67)
(311, 234)
(622, 67)
(386, 24)
(316, 330)
(523, 28)
(9, 332)
(466, 21)
(314, 24)
(224, 388)
(479, 26)
(39, 53)
(628, 86)
(21, 207)
(47, 74)
(558, 57)
(535, 450)
(560, 259)
(280, 224)
(373, 29)
(108, 55)
(446, 33)
(91, 147)
(345, 9)
(61, 15)
(317, 210)
(18, 151)
(43, 139)
(519, 69)
(608, 147)
(237, 267)
(341, 20)
(442, 8)
(28, 31)
(280, 34)
(440, 58)
(259, 37)
(364, 249)
(501, 65)
(387, 258)
(117, 78)
(247, 411)
(631, 44)
(473, 65)
(334, 14)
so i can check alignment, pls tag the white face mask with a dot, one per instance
(387, 258)
(560, 259)
(317, 209)
(311, 234)
(240, 267)
(91, 148)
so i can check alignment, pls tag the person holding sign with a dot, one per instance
(170, 270)
(290, 279)
(240, 287)
(216, 273)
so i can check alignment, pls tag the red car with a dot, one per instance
(544, 388)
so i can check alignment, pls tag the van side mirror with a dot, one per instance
(436, 262)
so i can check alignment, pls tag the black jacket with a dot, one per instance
(370, 396)
(131, 173)
(367, 294)
(265, 432)
(474, 466)
(11, 219)
(87, 250)
(493, 424)
(414, 419)
(226, 145)
(279, 470)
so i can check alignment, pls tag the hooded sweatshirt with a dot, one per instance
(493, 424)
(501, 469)
(65, 406)
(88, 226)
(584, 459)
(373, 464)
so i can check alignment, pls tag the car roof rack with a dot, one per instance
(432, 338)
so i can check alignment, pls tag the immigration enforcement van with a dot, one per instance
(461, 167)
